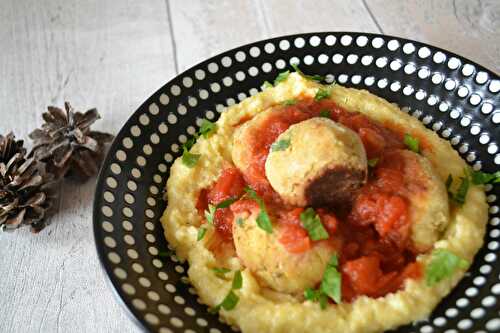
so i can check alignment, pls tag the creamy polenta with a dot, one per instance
(271, 303)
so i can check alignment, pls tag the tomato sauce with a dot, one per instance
(375, 254)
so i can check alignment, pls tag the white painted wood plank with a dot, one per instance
(205, 28)
(469, 28)
(108, 54)
(291, 17)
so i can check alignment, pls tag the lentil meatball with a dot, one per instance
(323, 164)
(428, 198)
(272, 264)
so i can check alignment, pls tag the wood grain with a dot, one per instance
(108, 54)
(205, 28)
(470, 28)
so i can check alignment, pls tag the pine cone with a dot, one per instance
(25, 187)
(66, 143)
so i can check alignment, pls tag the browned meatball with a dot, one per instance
(324, 163)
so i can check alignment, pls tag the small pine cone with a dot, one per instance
(66, 143)
(25, 187)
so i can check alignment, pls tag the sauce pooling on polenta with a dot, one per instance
(370, 232)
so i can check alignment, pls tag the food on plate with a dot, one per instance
(317, 162)
(311, 207)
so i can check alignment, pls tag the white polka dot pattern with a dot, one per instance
(450, 95)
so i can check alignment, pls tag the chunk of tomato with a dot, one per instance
(223, 222)
(294, 238)
(373, 142)
(230, 184)
(329, 221)
(363, 274)
(388, 213)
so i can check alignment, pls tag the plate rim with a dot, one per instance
(99, 246)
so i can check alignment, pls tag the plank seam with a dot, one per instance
(372, 17)
(172, 36)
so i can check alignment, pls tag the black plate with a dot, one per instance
(451, 95)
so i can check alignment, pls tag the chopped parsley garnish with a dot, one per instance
(239, 221)
(317, 78)
(226, 203)
(289, 102)
(210, 213)
(237, 280)
(325, 114)
(442, 265)
(462, 190)
(280, 145)
(331, 285)
(189, 143)
(312, 223)
(189, 159)
(263, 220)
(207, 127)
(231, 300)
(266, 85)
(281, 77)
(220, 271)
(332, 280)
(201, 233)
(316, 296)
(479, 177)
(322, 93)
(459, 196)
(373, 162)
(412, 143)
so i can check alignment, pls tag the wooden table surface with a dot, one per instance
(113, 54)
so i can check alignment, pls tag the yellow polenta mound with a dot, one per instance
(262, 310)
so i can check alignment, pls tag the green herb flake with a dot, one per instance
(237, 280)
(220, 271)
(189, 143)
(263, 220)
(210, 213)
(280, 145)
(289, 102)
(479, 177)
(373, 162)
(240, 221)
(207, 127)
(190, 159)
(316, 296)
(442, 265)
(317, 78)
(463, 188)
(322, 93)
(461, 194)
(231, 300)
(226, 203)
(266, 85)
(312, 223)
(281, 77)
(412, 143)
(331, 284)
(201, 234)
(325, 114)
